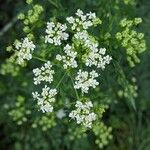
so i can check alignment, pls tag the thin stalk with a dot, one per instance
(41, 59)
(44, 60)
(60, 80)
(74, 88)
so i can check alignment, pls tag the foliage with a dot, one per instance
(120, 102)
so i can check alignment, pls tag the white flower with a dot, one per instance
(86, 40)
(83, 51)
(81, 21)
(28, 44)
(46, 108)
(85, 80)
(58, 57)
(79, 13)
(56, 33)
(45, 73)
(35, 95)
(83, 114)
(71, 20)
(103, 61)
(60, 114)
(68, 59)
(45, 99)
(91, 15)
(97, 58)
(24, 50)
(17, 44)
(94, 56)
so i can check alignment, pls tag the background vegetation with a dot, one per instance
(130, 120)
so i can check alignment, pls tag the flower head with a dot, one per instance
(83, 114)
(68, 59)
(56, 33)
(83, 21)
(45, 99)
(84, 80)
(24, 50)
(45, 73)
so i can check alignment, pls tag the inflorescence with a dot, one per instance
(72, 48)
(83, 113)
(81, 54)
(23, 50)
(45, 73)
(45, 99)
(56, 33)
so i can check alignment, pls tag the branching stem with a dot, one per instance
(60, 80)
(77, 95)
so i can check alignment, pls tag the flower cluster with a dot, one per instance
(56, 33)
(45, 73)
(69, 59)
(94, 56)
(83, 114)
(131, 40)
(23, 50)
(31, 18)
(80, 51)
(80, 58)
(83, 22)
(19, 112)
(44, 122)
(86, 40)
(103, 134)
(45, 99)
(97, 58)
(9, 67)
(84, 80)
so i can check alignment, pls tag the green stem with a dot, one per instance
(44, 60)
(74, 88)
(41, 59)
(53, 3)
(60, 81)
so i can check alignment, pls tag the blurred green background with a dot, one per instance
(131, 127)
